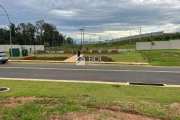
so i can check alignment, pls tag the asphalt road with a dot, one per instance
(144, 74)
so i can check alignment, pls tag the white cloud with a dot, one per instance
(63, 13)
(111, 19)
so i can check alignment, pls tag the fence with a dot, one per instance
(128, 38)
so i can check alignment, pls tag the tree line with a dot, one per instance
(40, 33)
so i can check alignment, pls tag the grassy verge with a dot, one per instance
(162, 57)
(126, 56)
(57, 99)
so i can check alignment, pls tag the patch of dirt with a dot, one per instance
(95, 116)
(13, 102)
(176, 112)
(109, 113)
(175, 104)
(124, 114)
(75, 116)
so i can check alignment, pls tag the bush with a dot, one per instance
(62, 58)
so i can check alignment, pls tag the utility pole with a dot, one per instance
(9, 30)
(81, 38)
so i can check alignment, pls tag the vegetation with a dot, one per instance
(40, 33)
(124, 56)
(162, 57)
(42, 100)
(126, 44)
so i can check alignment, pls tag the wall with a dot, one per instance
(158, 45)
(7, 47)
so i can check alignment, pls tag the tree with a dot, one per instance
(69, 41)
(31, 29)
(49, 33)
(39, 33)
(39, 30)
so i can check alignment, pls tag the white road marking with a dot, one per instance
(82, 69)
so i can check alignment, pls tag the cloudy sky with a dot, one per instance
(108, 19)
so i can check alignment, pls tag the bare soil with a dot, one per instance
(115, 112)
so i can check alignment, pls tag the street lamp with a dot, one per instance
(81, 37)
(9, 30)
(82, 40)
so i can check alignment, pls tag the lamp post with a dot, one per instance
(9, 30)
(81, 37)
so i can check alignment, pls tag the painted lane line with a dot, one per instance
(100, 70)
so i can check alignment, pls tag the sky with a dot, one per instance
(109, 19)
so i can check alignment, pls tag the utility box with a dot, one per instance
(15, 52)
(25, 52)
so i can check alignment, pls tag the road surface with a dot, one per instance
(144, 74)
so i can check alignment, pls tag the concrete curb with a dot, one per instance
(67, 81)
(87, 63)
(89, 82)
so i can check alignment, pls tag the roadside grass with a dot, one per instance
(162, 57)
(124, 56)
(58, 98)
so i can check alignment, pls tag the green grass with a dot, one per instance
(61, 98)
(127, 56)
(124, 56)
(162, 57)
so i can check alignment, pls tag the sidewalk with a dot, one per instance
(73, 58)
